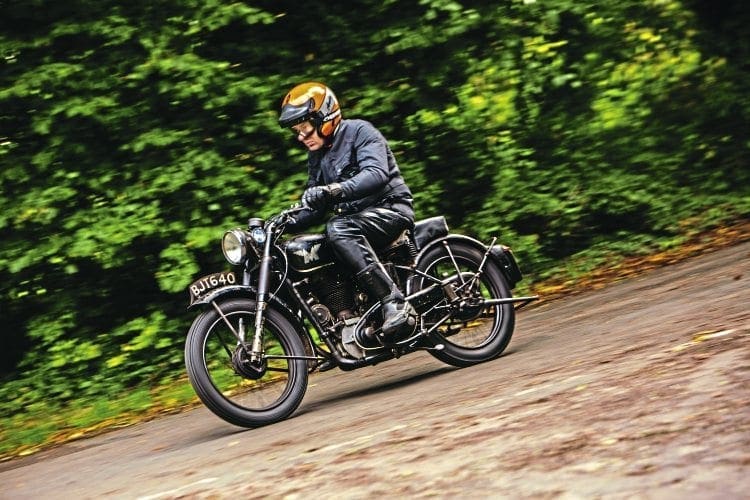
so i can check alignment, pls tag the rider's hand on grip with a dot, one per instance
(320, 197)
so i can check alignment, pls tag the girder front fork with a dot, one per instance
(264, 283)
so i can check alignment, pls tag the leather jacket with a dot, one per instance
(359, 159)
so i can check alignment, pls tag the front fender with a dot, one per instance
(499, 254)
(230, 290)
(250, 292)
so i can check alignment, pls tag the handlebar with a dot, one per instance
(283, 217)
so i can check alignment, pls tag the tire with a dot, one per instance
(472, 335)
(246, 401)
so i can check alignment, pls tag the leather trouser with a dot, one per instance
(354, 238)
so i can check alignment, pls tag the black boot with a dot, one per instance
(398, 314)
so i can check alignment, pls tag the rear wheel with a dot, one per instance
(240, 390)
(470, 330)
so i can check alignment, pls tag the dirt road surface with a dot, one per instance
(637, 390)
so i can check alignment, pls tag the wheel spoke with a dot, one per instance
(453, 260)
(225, 346)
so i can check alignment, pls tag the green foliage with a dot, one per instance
(132, 135)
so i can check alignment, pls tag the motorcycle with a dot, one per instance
(289, 309)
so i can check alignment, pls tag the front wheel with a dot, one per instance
(244, 391)
(470, 330)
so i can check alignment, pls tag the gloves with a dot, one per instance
(321, 197)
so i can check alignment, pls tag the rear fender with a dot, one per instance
(499, 254)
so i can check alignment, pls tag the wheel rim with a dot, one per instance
(472, 326)
(261, 392)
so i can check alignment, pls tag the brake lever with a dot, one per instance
(283, 218)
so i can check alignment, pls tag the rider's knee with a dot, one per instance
(338, 231)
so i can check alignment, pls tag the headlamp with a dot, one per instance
(234, 246)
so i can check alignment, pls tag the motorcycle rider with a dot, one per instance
(353, 172)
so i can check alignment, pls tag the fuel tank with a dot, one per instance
(308, 252)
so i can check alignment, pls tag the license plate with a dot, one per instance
(202, 286)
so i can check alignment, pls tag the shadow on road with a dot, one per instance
(389, 385)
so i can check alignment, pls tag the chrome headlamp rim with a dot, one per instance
(234, 246)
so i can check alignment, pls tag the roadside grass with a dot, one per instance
(42, 426)
(598, 266)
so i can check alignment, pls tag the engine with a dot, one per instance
(336, 301)
(333, 296)
(333, 291)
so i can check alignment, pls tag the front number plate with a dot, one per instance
(202, 286)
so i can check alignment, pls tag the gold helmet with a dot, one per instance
(311, 101)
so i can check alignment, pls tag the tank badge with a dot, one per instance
(309, 255)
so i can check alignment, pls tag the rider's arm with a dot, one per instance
(372, 158)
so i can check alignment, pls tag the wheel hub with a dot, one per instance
(244, 366)
(468, 305)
